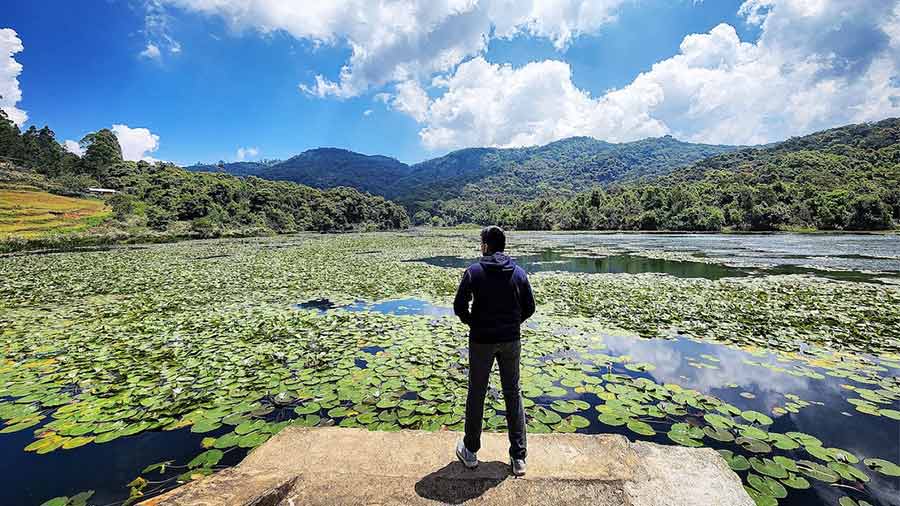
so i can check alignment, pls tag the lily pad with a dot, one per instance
(642, 428)
(817, 471)
(768, 467)
(735, 462)
(796, 482)
(767, 485)
(208, 458)
(756, 417)
(753, 445)
(882, 466)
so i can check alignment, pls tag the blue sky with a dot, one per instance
(208, 78)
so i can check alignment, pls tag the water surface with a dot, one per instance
(750, 381)
(841, 251)
(397, 307)
(846, 257)
(565, 260)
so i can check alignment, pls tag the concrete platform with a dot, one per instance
(336, 466)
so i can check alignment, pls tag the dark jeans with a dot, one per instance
(481, 360)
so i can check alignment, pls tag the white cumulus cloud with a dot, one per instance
(398, 40)
(10, 93)
(73, 147)
(245, 153)
(498, 105)
(136, 143)
(409, 98)
(816, 64)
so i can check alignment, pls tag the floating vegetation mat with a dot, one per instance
(126, 372)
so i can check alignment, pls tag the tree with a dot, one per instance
(122, 206)
(10, 138)
(101, 150)
(422, 217)
(868, 212)
(703, 218)
(42, 152)
(158, 217)
(768, 217)
(831, 210)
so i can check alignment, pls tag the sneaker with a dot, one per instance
(465, 456)
(518, 467)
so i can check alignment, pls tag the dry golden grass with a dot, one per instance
(29, 213)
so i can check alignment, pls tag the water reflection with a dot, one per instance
(760, 380)
(838, 251)
(568, 260)
(726, 372)
(560, 260)
(398, 307)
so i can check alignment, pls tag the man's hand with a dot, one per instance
(462, 299)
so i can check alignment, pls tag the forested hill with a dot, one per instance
(331, 167)
(161, 198)
(563, 167)
(829, 158)
(845, 178)
(322, 168)
(502, 175)
(233, 168)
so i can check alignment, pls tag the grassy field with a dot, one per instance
(29, 213)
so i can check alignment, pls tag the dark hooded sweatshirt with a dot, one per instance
(501, 299)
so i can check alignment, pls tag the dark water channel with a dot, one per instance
(24, 479)
(566, 259)
(835, 255)
(562, 260)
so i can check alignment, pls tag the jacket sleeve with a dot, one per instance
(463, 296)
(526, 296)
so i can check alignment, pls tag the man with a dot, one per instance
(501, 301)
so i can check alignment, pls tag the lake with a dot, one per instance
(128, 371)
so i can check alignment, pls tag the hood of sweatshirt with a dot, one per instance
(498, 262)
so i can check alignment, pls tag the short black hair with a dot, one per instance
(494, 237)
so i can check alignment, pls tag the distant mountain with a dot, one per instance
(837, 179)
(331, 167)
(234, 168)
(560, 168)
(500, 175)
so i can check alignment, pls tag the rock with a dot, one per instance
(337, 466)
(235, 486)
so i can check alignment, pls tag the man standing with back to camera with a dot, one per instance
(501, 301)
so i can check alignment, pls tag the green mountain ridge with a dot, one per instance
(564, 167)
(242, 169)
(333, 167)
(503, 175)
(845, 178)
